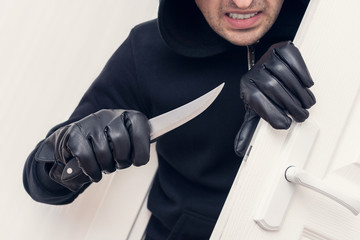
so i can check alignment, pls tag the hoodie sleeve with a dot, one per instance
(115, 88)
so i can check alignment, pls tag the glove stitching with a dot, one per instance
(285, 62)
(128, 127)
(89, 138)
(277, 79)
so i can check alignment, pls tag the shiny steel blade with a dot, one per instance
(166, 122)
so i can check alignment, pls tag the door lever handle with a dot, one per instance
(303, 178)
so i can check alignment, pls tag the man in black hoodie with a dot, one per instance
(192, 47)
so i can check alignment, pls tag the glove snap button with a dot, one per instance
(69, 171)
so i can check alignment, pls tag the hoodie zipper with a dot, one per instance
(251, 63)
(251, 56)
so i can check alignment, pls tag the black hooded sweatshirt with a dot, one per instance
(163, 64)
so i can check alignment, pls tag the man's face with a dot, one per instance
(241, 22)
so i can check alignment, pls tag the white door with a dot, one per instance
(262, 204)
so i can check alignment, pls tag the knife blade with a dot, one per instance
(170, 120)
(159, 125)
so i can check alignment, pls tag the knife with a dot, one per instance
(159, 125)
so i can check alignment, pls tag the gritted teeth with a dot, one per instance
(241, 16)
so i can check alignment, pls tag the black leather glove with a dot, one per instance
(101, 142)
(277, 86)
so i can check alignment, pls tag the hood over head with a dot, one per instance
(185, 30)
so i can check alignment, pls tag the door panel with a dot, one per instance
(329, 41)
(309, 234)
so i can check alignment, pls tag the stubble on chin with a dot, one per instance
(243, 37)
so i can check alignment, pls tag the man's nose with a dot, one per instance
(243, 3)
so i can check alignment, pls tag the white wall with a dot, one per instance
(50, 51)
